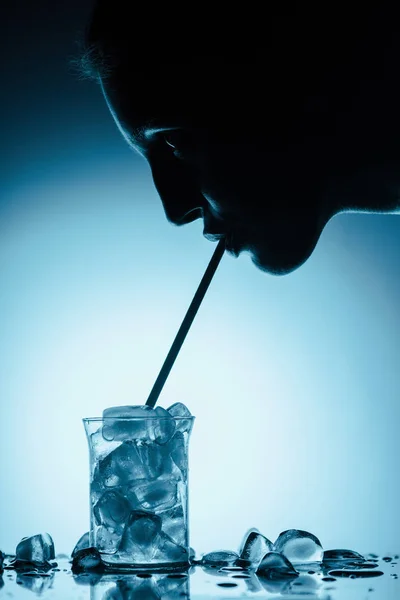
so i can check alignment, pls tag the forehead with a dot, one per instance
(206, 94)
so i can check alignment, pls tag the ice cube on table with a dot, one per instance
(81, 544)
(122, 466)
(344, 559)
(254, 547)
(299, 546)
(180, 411)
(37, 549)
(342, 554)
(219, 558)
(112, 509)
(127, 422)
(156, 495)
(276, 566)
(88, 559)
(141, 536)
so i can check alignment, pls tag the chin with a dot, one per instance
(280, 261)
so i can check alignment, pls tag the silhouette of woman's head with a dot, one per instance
(264, 124)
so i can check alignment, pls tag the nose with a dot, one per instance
(176, 185)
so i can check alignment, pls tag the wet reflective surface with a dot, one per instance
(376, 579)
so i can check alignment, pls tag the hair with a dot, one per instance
(320, 37)
(118, 34)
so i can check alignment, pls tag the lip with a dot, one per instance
(233, 244)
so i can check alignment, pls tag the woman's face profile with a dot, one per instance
(219, 156)
(231, 147)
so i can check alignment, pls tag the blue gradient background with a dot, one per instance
(294, 381)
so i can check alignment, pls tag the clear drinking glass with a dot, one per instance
(139, 491)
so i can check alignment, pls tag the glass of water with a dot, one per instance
(139, 490)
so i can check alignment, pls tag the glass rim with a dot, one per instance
(105, 419)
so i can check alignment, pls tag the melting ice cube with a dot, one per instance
(343, 559)
(254, 547)
(219, 558)
(101, 447)
(112, 510)
(177, 449)
(167, 550)
(341, 554)
(164, 427)
(157, 495)
(122, 466)
(180, 410)
(108, 539)
(141, 536)
(173, 524)
(156, 459)
(127, 422)
(299, 546)
(81, 544)
(86, 560)
(276, 566)
(36, 549)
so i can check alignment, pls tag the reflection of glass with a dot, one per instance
(139, 491)
(146, 587)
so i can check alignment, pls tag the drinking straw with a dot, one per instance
(186, 323)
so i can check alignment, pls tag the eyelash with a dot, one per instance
(182, 147)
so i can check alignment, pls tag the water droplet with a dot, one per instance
(355, 574)
(328, 579)
(143, 575)
(311, 572)
(240, 576)
(387, 558)
(227, 585)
